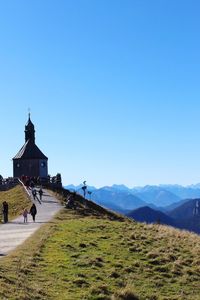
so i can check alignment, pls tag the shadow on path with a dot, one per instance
(48, 201)
(31, 222)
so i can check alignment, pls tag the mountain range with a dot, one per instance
(163, 197)
(120, 201)
(167, 204)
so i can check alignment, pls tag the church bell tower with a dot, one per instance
(30, 161)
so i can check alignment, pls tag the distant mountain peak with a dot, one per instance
(120, 186)
(149, 215)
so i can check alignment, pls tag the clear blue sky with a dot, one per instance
(113, 88)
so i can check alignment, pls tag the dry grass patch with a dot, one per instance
(17, 200)
(127, 293)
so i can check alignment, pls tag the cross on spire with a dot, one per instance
(29, 112)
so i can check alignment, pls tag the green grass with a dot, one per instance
(82, 256)
(17, 201)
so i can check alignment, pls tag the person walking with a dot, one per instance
(33, 211)
(25, 215)
(5, 212)
(70, 202)
(40, 193)
(34, 193)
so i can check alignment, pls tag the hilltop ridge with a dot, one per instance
(92, 253)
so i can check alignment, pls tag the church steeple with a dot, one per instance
(29, 131)
(30, 161)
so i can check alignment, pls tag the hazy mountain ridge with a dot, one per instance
(124, 201)
(160, 196)
(183, 192)
(77, 188)
(151, 203)
(157, 196)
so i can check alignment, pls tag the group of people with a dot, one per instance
(32, 211)
(30, 181)
(34, 193)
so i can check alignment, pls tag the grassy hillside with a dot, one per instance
(17, 200)
(85, 256)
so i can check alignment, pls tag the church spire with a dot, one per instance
(29, 130)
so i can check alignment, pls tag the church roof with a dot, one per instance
(30, 151)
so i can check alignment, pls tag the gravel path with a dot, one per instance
(16, 232)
